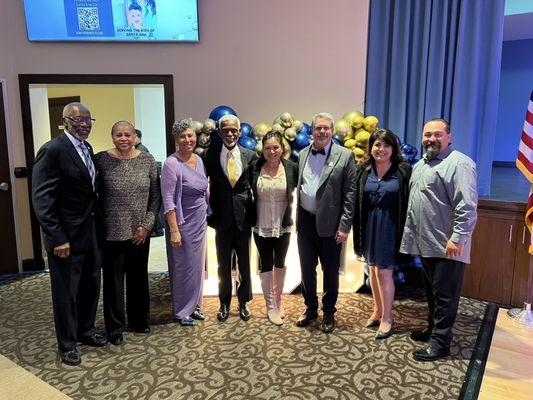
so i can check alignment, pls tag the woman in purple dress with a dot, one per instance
(184, 190)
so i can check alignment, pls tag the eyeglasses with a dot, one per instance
(322, 128)
(78, 120)
(230, 130)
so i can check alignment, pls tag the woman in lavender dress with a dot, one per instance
(184, 190)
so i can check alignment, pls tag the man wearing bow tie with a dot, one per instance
(64, 184)
(326, 198)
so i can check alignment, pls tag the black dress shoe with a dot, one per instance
(244, 311)
(116, 339)
(95, 340)
(197, 314)
(223, 313)
(430, 353)
(328, 323)
(421, 335)
(71, 357)
(306, 318)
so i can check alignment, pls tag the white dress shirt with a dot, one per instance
(310, 177)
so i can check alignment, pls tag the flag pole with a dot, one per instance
(524, 315)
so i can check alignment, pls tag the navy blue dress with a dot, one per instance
(381, 212)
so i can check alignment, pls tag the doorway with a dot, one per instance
(8, 255)
(33, 86)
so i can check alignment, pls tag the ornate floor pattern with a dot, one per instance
(237, 359)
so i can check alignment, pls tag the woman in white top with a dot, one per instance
(273, 181)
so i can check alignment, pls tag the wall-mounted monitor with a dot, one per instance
(112, 20)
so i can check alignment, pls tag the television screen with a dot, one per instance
(112, 20)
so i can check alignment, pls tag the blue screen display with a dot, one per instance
(112, 20)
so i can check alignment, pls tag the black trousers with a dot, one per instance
(311, 248)
(228, 240)
(443, 279)
(124, 259)
(75, 291)
(272, 251)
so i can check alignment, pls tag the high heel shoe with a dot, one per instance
(187, 321)
(384, 335)
(371, 323)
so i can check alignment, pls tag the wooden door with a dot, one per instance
(521, 267)
(8, 255)
(490, 274)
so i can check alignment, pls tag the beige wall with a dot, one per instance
(260, 57)
(108, 105)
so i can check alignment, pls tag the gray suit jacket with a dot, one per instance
(336, 190)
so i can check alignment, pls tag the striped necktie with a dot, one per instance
(88, 161)
(231, 169)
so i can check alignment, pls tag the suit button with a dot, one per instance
(92, 214)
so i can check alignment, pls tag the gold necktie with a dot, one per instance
(232, 170)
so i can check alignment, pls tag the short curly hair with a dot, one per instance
(181, 125)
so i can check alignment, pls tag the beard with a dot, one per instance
(432, 150)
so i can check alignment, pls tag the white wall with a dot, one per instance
(149, 105)
(40, 116)
(260, 57)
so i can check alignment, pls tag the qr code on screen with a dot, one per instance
(88, 18)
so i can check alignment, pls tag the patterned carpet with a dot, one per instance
(239, 360)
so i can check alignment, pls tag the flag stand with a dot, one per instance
(524, 315)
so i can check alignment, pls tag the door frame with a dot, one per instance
(3, 83)
(25, 80)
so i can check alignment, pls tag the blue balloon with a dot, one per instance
(247, 142)
(306, 129)
(219, 111)
(302, 140)
(246, 129)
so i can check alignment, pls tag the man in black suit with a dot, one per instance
(326, 200)
(227, 166)
(64, 198)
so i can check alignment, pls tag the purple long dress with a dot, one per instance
(185, 191)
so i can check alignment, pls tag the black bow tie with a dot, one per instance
(321, 151)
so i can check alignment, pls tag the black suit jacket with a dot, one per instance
(228, 205)
(291, 177)
(63, 196)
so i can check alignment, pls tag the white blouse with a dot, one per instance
(271, 204)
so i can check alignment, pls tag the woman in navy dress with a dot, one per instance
(381, 206)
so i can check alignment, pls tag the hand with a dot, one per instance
(454, 250)
(63, 250)
(341, 237)
(140, 235)
(175, 239)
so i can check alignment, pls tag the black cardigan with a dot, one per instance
(403, 173)
(291, 176)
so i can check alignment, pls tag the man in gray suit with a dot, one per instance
(326, 198)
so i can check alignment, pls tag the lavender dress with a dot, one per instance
(185, 191)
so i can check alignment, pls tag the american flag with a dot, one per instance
(524, 162)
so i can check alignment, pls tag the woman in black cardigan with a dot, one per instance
(381, 207)
(273, 181)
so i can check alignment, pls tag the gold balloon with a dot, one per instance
(290, 134)
(350, 143)
(259, 149)
(360, 155)
(209, 125)
(370, 123)
(199, 150)
(277, 120)
(203, 140)
(350, 115)
(287, 151)
(361, 138)
(286, 119)
(261, 129)
(297, 125)
(349, 135)
(342, 128)
(277, 128)
(197, 126)
(358, 122)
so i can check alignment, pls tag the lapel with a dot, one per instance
(304, 154)
(329, 165)
(288, 177)
(245, 161)
(74, 155)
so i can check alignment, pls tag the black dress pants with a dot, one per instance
(312, 248)
(230, 239)
(75, 284)
(124, 259)
(443, 279)
(272, 251)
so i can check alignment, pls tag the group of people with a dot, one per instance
(110, 201)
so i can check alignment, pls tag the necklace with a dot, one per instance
(272, 171)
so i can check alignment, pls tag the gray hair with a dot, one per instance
(181, 125)
(127, 123)
(323, 115)
(68, 108)
(229, 117)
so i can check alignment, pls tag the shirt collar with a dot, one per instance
(75, 141)
(235, 152)
(326, 149)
